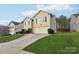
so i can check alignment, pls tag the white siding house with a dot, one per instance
(27, 23)
(74, 23)
(13, 27)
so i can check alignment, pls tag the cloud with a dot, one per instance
(51, 8)
(63, 7)
(58, 7)
(28, 12)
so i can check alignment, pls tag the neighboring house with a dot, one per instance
(42, 21)
(19, 27)
(12, 27)
(27, 23)
(4, 30)
(74, 23)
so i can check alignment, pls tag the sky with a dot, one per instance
(17, 12)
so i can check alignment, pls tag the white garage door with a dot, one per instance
(40, 30)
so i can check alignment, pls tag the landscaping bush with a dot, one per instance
(50, 31)
(23, 31)
(20, 32)
(29, 30)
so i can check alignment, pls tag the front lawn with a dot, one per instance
(9, 37)
(59, 43)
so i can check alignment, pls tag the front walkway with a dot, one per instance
(16, 46)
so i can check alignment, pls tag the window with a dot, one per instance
(36, 20)
(11, 27)
(29, 22)
(41, 20)
(45, 19)
(25, 23)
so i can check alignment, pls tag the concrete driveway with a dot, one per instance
(16, 46)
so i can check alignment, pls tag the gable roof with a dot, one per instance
(26, 18)
(15, 23)
(43, 11)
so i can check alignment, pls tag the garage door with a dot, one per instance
(40, 30)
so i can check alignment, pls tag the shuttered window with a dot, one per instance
(45, 19)
(36, 20)
(29, 22)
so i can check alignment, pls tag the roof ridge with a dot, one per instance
(42, 11)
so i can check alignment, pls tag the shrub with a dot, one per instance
(29, 30)
(20, 32)
(17, 32)
(23, 31)
(50, 31)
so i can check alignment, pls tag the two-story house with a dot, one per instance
(12, 27)
(27, 23)
(42, 21)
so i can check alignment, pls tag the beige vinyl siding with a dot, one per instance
(39, 25)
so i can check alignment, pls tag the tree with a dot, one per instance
(63, 22)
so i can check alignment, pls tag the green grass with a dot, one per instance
(59, 43)
(9, 37)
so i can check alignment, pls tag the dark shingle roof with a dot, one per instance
(26, 18)
(15, 23)
(75, 15)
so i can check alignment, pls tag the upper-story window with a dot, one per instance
(25, 23)
(41, 20)
(36, 20)
(45, 19)
(11, 27)
(29, 22)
